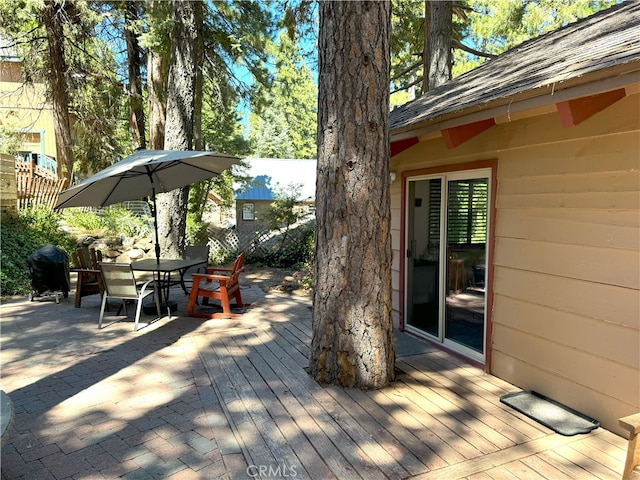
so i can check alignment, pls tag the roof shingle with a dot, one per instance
(608, 38)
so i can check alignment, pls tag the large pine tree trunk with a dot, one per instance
(352, 343)
(426, 52)
(52, 15)
(198, 142)
(156, 87)
(438, 55)
(157, 75)
(134, 54)
(179, 128)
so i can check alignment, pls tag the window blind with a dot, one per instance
(467, 211)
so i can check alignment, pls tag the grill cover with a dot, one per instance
(49, 269)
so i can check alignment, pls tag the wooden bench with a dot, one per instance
(632, 425)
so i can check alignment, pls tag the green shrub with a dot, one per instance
(290, 248)
(196, 231)
(86, 220)
(118, 220)
(21, 235)
(222, 257)
(113, 221)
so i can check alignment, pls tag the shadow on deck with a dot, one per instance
(187, 398)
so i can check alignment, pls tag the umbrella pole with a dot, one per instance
(155, 226)
(164, 303)
(155, 214)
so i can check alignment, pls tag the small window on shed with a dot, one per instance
(247, 211)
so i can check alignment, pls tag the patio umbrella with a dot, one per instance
(144, 174)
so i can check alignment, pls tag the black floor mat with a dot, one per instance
(557, 417)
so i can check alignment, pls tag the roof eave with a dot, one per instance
(550, 94)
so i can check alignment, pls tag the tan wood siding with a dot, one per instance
(605, 181)
(566, 291)
(605, 200)
(610, 304)
(610, 228)
(595, 372)
(608, 266)
(566, 311)
(615, 342)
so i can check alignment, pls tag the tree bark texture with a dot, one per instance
(156, 88)
(352, 343)
(440, 33)
(52, 17)
(134, 54)
(179, 128)
(426, 52)
(199, 94)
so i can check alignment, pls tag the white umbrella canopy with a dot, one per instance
(143, 174)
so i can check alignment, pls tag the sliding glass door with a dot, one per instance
(446, 269)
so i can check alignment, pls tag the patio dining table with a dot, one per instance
(162, 271)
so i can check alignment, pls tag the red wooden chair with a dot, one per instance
(218, 283)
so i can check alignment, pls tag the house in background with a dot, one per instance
(24, 110)
(516, 215)
(271, 176)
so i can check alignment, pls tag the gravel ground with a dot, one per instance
(280, 279)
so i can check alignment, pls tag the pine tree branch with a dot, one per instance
(470, 50)
(404, 87)
(409, 69)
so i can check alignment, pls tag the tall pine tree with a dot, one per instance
(352, 342)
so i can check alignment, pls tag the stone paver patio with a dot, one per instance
(189, 398)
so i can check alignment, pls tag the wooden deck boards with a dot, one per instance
(441, 419)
